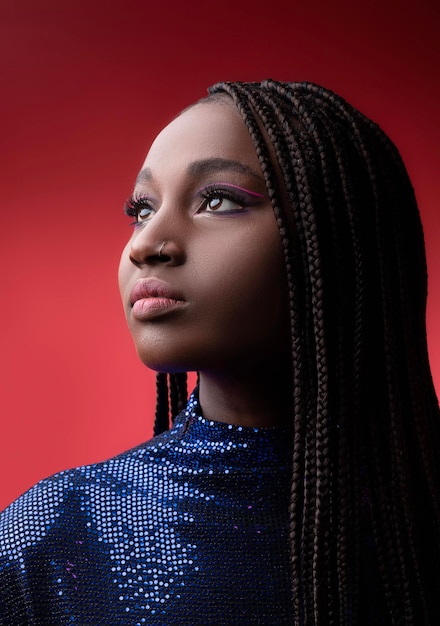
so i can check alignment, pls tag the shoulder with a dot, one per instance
(66, 497)
(66, 522)
(28, 517)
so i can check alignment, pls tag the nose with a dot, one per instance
(157, 244)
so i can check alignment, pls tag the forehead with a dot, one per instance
(205, 131)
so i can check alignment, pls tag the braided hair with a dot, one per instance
(365, 493)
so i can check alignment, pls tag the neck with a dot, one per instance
(257, 398)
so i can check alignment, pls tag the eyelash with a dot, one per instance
(134, 206)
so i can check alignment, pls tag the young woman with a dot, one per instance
(277, 250)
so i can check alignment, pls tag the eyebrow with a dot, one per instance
(206, 166)
(212, 166)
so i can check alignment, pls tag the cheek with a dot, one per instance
(124, 270)
(252, 264)
(244, 280)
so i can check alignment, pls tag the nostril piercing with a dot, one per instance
(164, 243)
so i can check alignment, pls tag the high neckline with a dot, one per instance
(193, 416)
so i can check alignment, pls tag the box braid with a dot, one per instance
(171, 398)
(364, 508)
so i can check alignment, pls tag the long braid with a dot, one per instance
(394, 408)
(178, 393)
(173, 394)
(317, 511)
(368, 407)
(403, 444)
(298, 524)
(320, 154)
(413, 277)
(337, 199)
(399, 478)
(162, 417)
(395, 546)
(388, 337)
(385, 538)
(171, 399)
(302, 191)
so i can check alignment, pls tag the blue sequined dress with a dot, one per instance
(188, 529)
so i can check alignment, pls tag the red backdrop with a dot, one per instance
(86, 87)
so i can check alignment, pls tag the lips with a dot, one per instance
(153, 288)
(151, 297)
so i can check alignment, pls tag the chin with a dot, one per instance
(171, 349)
(165, 362)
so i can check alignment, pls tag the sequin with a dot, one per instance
(190, 528)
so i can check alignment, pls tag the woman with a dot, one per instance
(277, 250)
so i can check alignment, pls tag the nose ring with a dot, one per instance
(164, 243)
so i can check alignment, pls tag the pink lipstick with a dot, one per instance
(151, 297)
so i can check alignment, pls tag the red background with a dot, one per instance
(86, 85)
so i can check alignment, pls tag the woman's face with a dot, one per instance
(202, 277)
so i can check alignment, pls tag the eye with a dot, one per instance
(140, 209)
(227, 198)
(220, 202)
(144, 213)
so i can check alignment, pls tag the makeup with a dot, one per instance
(151, 297)
(219, 185)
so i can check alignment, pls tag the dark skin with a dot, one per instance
(212, 298)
